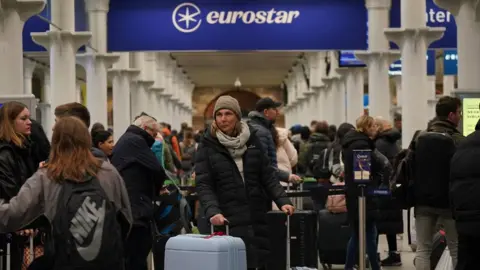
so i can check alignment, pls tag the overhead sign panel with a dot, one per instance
(450, 62)
(348, 59)
(152, 25)
(36, 24)
(41, 23)
(435, 17)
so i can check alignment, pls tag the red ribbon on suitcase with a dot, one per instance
(215, 234)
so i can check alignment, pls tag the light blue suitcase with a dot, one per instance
(193, 252)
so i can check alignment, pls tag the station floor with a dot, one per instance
(406, 253)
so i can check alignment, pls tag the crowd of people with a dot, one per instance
(62, 194)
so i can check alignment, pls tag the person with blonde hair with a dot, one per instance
(70, 172)
(390, 220)
(144, 177)
(362, 138)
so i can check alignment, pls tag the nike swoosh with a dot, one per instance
(90, 252)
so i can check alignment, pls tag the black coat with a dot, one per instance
(141, 171)
(390, 219)
(465, 185)
(16, 166)
(243, 202)
(354, 140)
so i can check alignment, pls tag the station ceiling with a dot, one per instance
(222, 68)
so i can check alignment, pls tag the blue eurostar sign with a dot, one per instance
(151, 25)
(175, 25)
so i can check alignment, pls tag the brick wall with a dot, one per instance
(203, 101)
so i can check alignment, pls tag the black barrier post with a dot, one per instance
(362, 160)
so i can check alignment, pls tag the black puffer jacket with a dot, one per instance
(244, 203)
(380, 167)
(465, 185)
(390, 219)
(16, 166)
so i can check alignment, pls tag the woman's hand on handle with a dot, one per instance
(288, 209)
(218, 220)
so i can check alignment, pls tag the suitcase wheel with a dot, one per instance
(326, 266)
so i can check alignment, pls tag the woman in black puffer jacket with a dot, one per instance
(390, 219)
(235, 181)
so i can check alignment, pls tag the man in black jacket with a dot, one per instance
(431, 186)
(263, 120)
(144, 177)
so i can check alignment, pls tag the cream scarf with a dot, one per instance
(236, 146)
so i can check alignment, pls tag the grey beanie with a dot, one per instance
(228, 102)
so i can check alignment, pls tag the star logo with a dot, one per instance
(184, 17)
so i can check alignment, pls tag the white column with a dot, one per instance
(286, 115)
(467, 19)
(378, 57)
(122, 76)
(142, 82)
(96, 61)
(398, 89)
(150, 72)
(329, 105)
(161, 80)
(28, 68)
(190, 89)
(13, 15)
(354, 82)
(292, 100)
(448, 84)
(96, 66)
(62, 46)
(78, 91)
(321, 102)
(97, 22)
(413, 38)
(300, 90)
(317, 72)
(431, 96)
(48, 118)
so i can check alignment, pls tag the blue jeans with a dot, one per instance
(371, 245)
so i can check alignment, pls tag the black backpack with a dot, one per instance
(172, 212)
(86, 231)
(433, 153)
(321, 165)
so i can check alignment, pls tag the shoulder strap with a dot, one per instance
(325, 157)
(330, 158)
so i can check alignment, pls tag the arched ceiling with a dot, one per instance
(222, 68)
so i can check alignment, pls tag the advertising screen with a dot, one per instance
(471, 114)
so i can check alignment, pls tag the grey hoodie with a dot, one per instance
(38, 197)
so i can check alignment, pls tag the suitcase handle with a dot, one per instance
(227, 228)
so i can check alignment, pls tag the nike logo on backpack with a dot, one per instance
(88, 219)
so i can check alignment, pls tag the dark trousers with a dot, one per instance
(391, 241)
(138, 247)
(468, 251)
(371, 245)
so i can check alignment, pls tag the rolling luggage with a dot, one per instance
(302, 241)
(214, 252)
(299, 230)
(438, 248)
(333, 236)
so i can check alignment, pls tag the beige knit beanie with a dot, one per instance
(228, 102)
